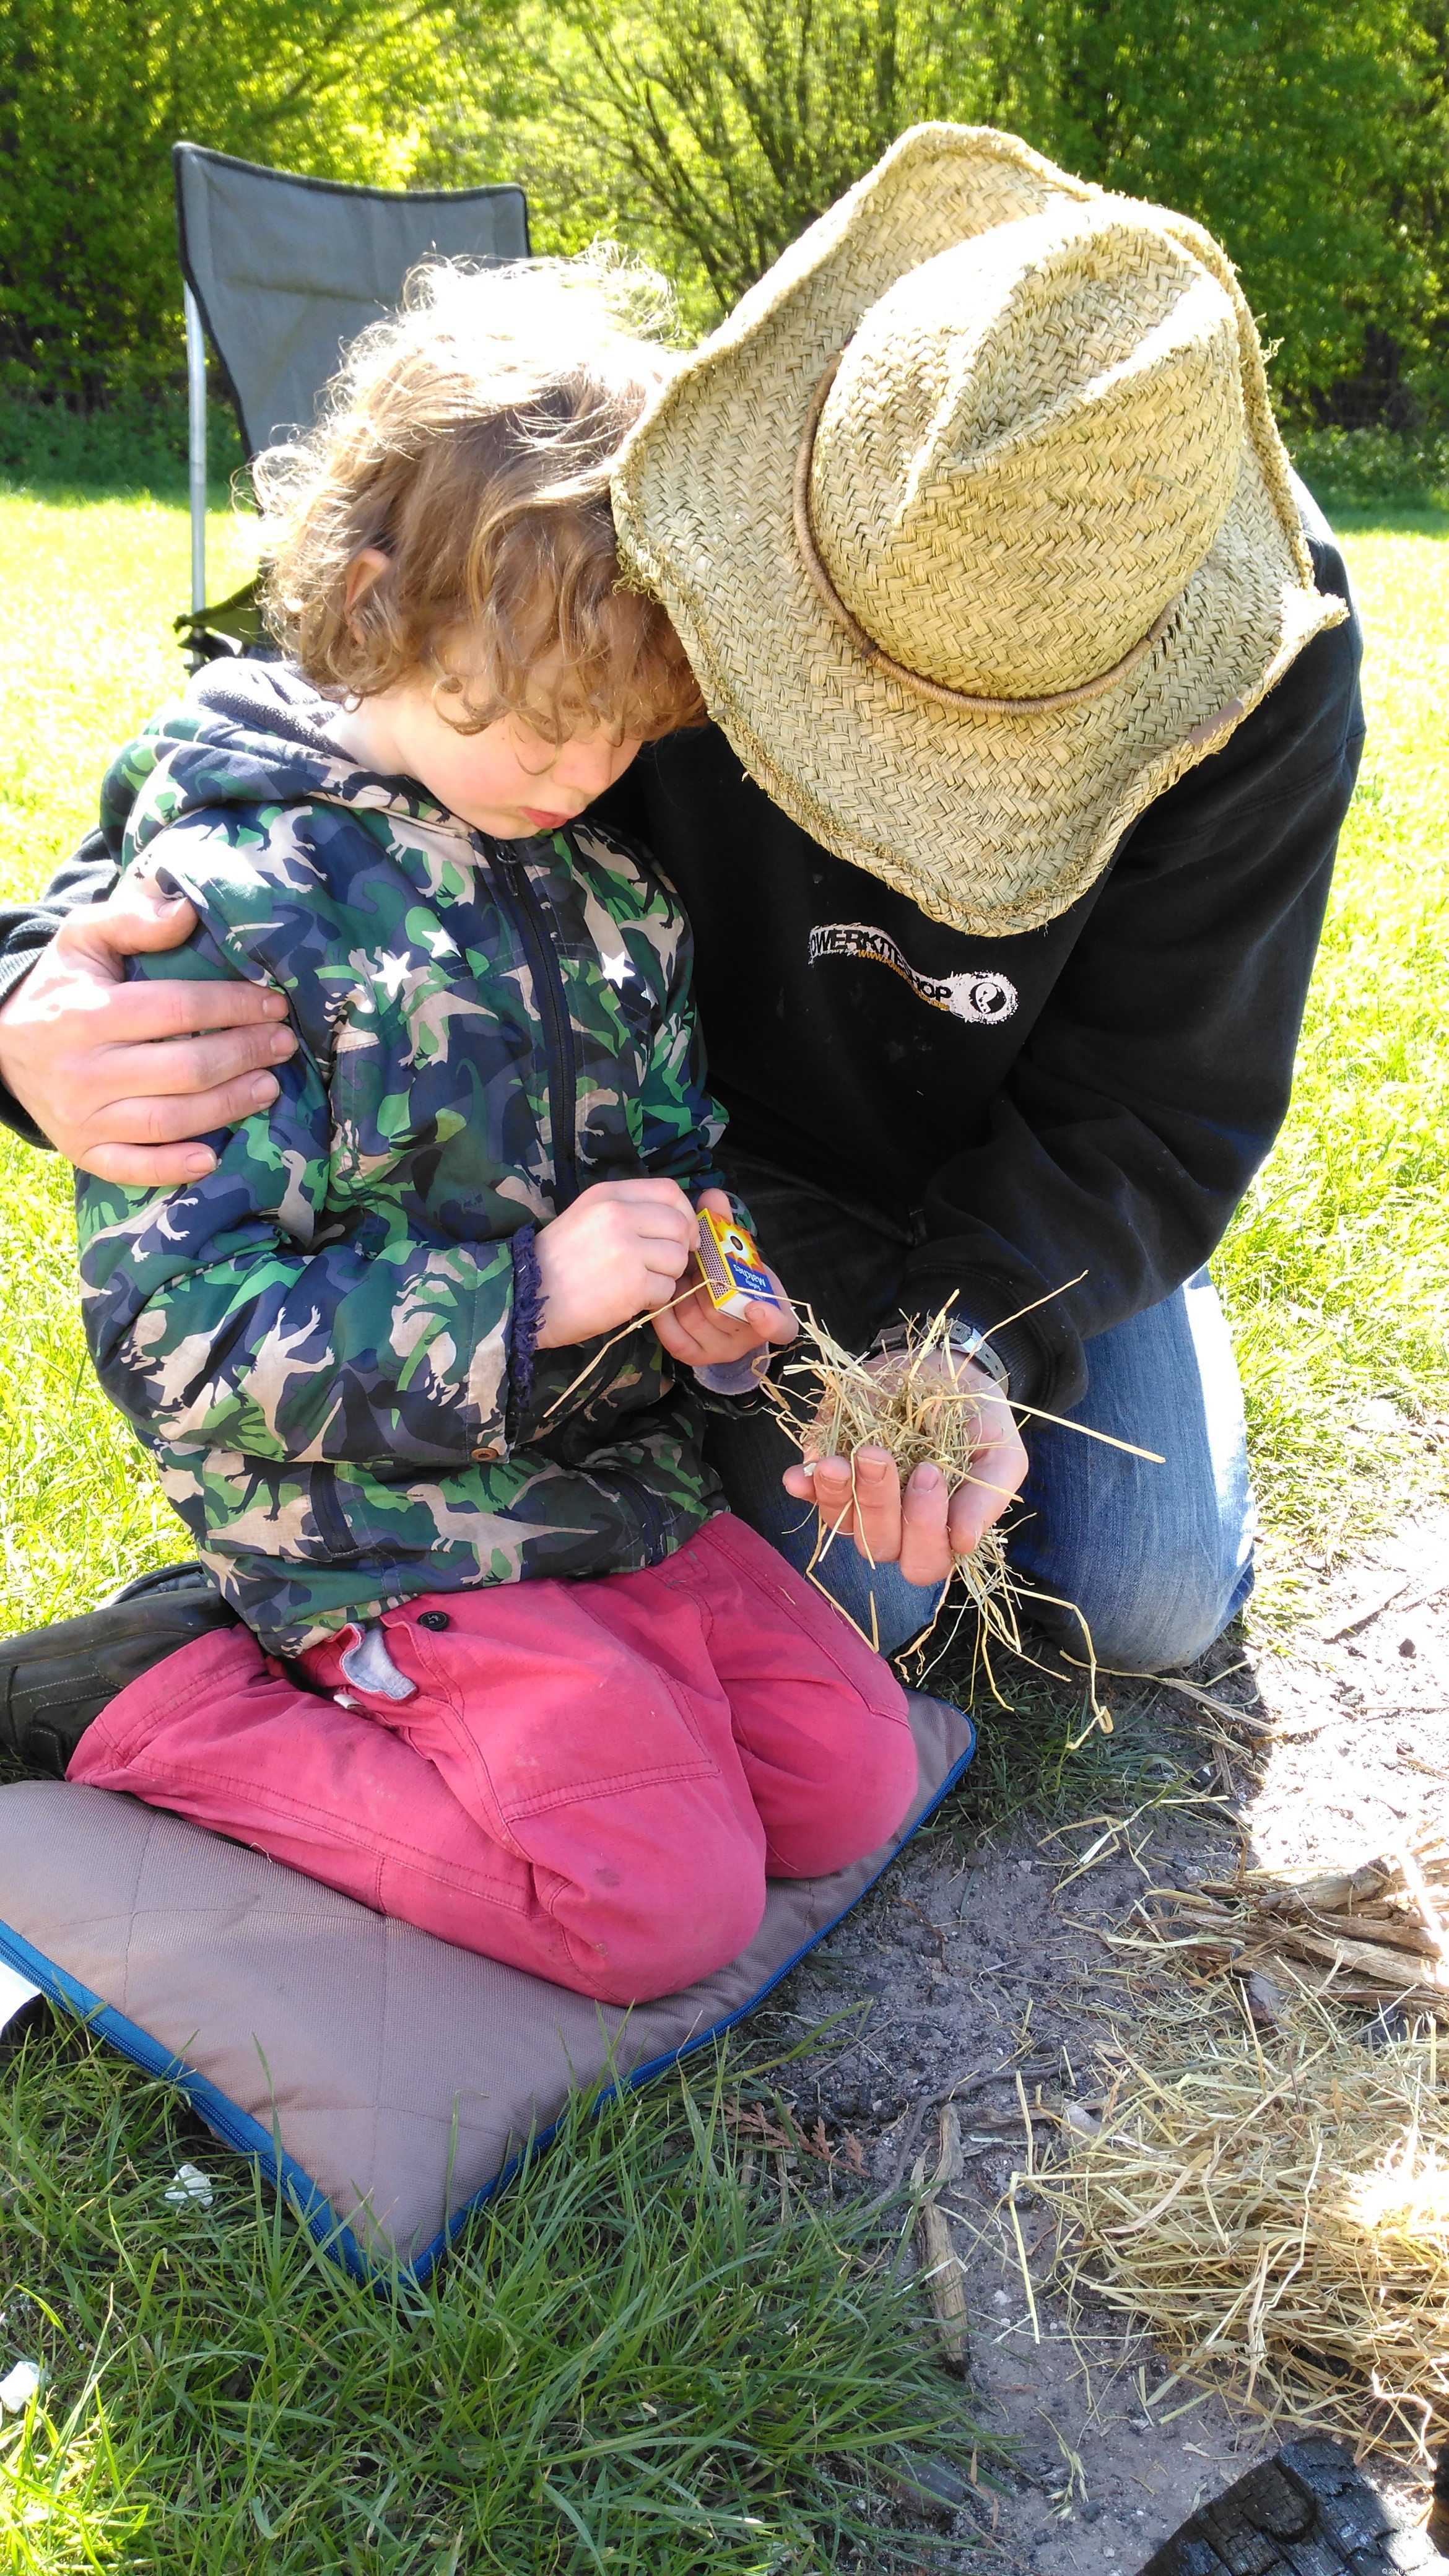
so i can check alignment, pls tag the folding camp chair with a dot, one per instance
(280, 272)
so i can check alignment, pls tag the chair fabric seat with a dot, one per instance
(287, 270)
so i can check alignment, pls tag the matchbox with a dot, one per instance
(731, 1267)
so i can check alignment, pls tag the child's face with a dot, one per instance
(507, 779)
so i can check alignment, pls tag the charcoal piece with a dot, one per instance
(1308, 2512)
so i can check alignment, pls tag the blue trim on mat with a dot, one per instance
(238, 2129)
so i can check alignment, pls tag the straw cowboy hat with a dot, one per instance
(975, 524)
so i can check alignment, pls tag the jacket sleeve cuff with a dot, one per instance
(525, 1326)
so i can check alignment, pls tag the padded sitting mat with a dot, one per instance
(388, 2080)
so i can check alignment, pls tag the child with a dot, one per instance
(384, 1351)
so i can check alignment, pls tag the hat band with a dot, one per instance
(866, 646)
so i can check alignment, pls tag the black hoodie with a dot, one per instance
(1091, 1096)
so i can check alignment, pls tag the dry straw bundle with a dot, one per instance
(1280, 2223)
(914, 1408)
(920, 1407)
(1374, 1935)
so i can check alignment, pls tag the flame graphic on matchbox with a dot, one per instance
(731, 1267)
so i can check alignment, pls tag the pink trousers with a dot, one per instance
(592, 1780)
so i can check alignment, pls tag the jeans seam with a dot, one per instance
(295, 1811)
(677, 1696)
(621, 1786)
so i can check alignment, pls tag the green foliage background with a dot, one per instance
(93, 93)
(1311, 135)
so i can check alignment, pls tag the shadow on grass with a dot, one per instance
(58, 494)
(135, 449)
(1039, 1754)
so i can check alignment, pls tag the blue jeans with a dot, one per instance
(1157, 1559)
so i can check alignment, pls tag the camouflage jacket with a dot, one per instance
(330, 1342)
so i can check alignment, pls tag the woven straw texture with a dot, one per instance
(1036, 461)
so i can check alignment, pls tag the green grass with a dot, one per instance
(88, 589)
(218, 2398)
(1336, 1269)
(1335, 1272)
(644, 2360)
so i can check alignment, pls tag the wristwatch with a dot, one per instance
(964, 1340)
(969, 1344)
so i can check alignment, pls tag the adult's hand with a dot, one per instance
(120, 1075)
(918, 1524)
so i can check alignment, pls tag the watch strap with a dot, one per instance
(969, 1344)
(965, 1341)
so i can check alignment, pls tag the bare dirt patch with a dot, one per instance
(981, 1972)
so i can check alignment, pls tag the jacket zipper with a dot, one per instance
(558, 1036)
(531, 923)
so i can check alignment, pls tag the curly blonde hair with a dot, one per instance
(470, 438)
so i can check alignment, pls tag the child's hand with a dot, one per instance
(699, 1336)
(620, 1249)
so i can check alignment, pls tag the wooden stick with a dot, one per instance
(1414, 1881)
(947, 2288)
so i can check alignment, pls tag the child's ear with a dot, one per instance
(364, 569)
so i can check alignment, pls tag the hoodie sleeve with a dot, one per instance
(1159, 1074)
(26, 931)
(221, 1313)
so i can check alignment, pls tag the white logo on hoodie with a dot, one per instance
(981, 998)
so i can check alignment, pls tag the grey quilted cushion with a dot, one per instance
(399, 2076)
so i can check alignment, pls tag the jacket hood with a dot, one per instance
(244, 733)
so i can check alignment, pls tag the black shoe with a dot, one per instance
(53, 1681)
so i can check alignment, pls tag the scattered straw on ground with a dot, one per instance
(1275, 2211)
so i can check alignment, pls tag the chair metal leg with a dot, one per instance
(196, 391)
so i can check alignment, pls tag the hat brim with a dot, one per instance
(989, 822)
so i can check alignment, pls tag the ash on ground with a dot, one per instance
(978, 1967)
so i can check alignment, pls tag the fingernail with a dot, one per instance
(926, 1474)
(264, 1091)
(198, 1165)
(283, 1042)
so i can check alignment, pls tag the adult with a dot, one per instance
(1036, 717)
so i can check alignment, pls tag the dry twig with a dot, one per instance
(1372, 1935)
(944, 2277)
